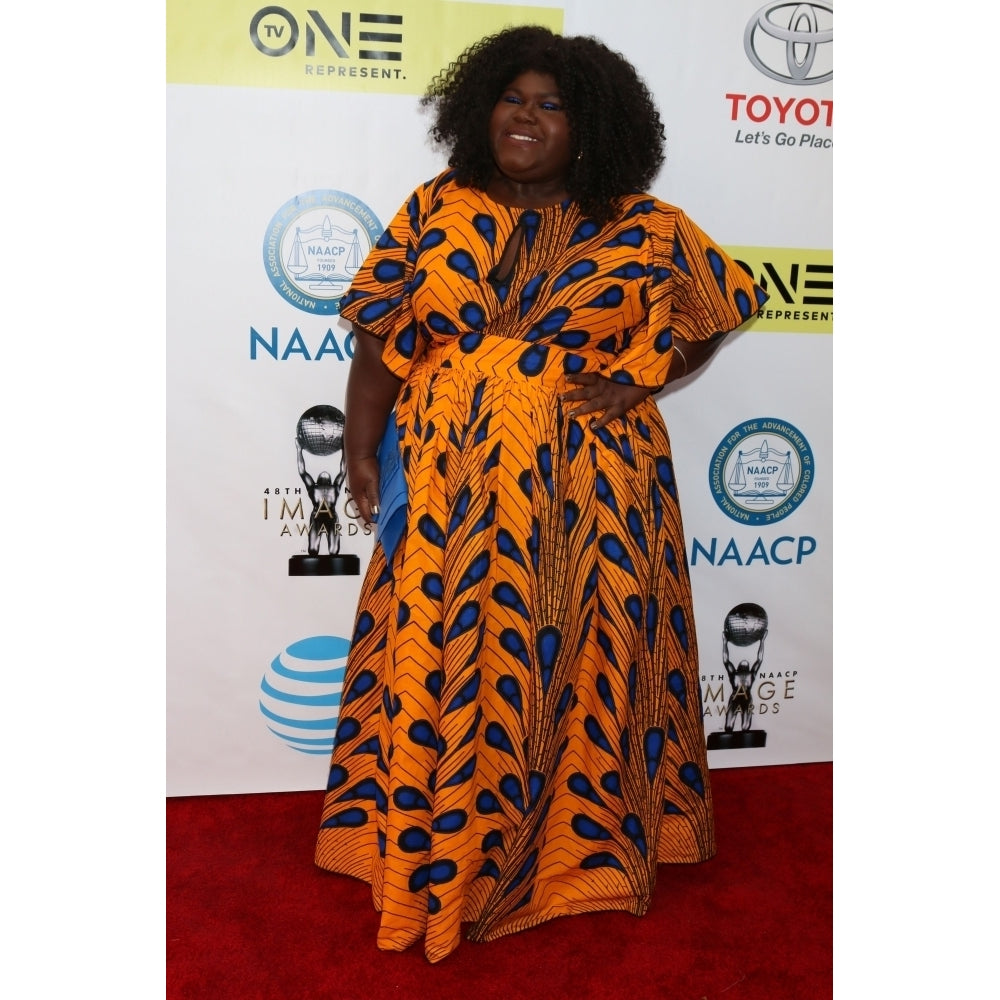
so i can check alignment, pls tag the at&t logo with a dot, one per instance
(300, 693)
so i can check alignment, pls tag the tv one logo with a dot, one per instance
(798, 281)
(275, 31)
(792, 282)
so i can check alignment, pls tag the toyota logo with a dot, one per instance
(792, 42)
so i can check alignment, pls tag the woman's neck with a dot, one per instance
(528, 195)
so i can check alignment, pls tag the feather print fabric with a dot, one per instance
(520, 732)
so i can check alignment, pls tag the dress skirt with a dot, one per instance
(520, 733)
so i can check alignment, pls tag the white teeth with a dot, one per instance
(526, 138)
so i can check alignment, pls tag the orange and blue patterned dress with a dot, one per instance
(520, 732)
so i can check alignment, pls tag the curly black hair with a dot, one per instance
(613, 120)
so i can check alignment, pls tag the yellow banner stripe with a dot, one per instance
(800, 285)
(389, 47)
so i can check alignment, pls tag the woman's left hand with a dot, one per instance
(599, 393)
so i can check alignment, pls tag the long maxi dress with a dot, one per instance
(520, 733)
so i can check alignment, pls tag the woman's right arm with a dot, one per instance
(371, 394)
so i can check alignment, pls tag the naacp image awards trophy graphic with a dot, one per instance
(745, 627)
(319, 437)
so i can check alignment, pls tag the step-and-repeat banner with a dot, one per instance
(294, 132)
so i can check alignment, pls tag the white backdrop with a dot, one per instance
(254, 654)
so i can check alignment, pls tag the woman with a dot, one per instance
(520, 732)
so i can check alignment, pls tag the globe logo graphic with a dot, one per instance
(745, 624)
(320, 430)
(300, 693)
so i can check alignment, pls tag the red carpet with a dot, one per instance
(249, 916)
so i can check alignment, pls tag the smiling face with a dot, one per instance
(530, 137)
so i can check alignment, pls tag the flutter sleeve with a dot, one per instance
(695, 289)
(379, 299)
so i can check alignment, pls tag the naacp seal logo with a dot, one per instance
(761, 471)
(792, 42)
(315, 245)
